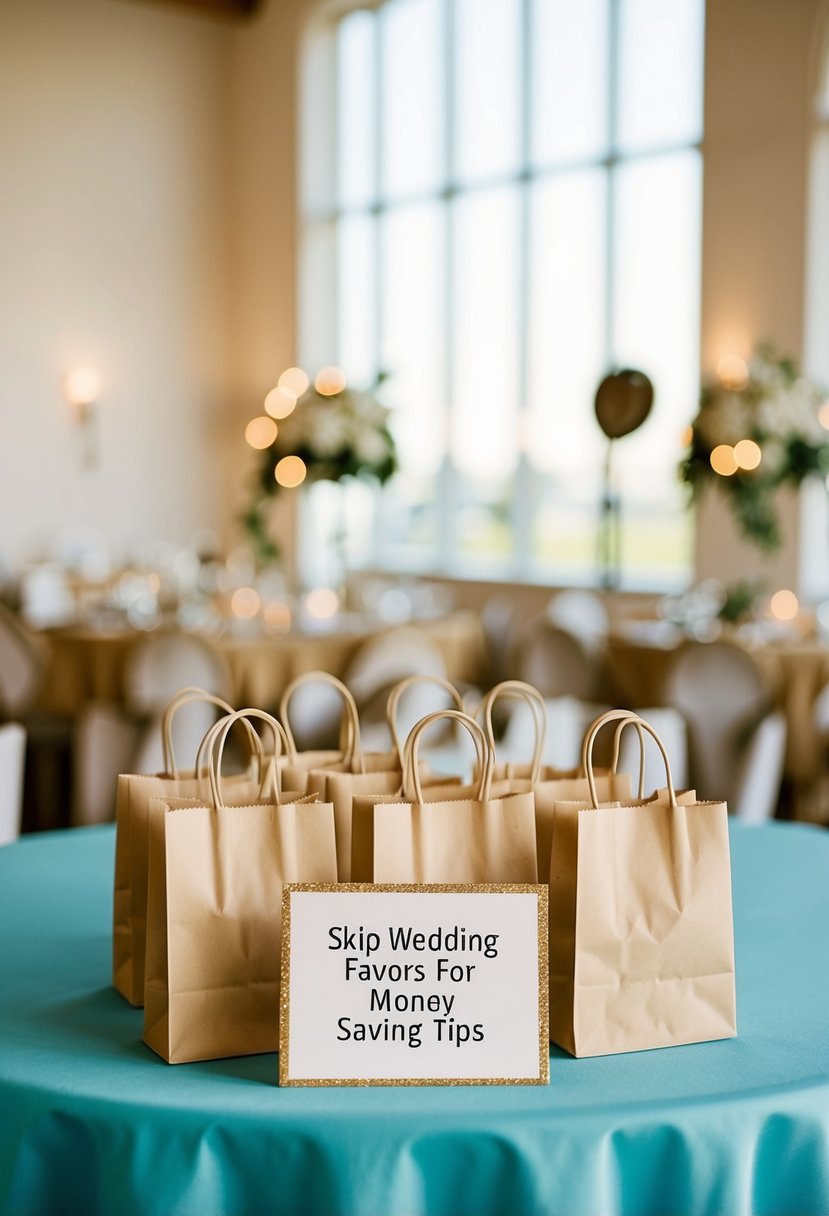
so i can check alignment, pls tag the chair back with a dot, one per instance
(582, 613)
(722, 695)
(380, 664)
(21, 668)
(12, 765)
(555, 662)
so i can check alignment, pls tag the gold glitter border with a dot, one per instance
(440, 888)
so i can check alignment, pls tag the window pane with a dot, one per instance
(569, 48)
(412, 91)
(656, 328)
(567, 358)
(488, 97)
(486, 369)
(566, 320)
(356, 346)
(414, 329)
(486, 380)
(413, 353)
(660, 73)
(355, 109)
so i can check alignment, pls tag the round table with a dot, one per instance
(91, 1121)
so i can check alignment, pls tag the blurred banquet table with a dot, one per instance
(91, 1121)
(638, 664)
(86, 665)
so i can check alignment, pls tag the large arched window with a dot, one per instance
(512, 207)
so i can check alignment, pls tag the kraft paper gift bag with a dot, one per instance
(463, 836)
(133, 796)
(548, 783)
(215, 913)
(641, 938)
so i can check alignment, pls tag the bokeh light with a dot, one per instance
(329, 381)
(280, 402)
(322, 602)
(245, 603)
(723, 460)
(260, 432)
(784, 605)
(290, 472)
(732, 372)
(295, 380)
(748, 454)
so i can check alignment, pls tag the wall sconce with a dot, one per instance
(82, 388)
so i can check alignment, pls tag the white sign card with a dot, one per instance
(414, 985)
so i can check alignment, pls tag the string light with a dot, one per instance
(280, 402)
(723, 460)
(290, 472)
(260, 432)
(295, 380)
(322, 602)
(245, 603)
(732, 372)
(330, 381)
(747, 454)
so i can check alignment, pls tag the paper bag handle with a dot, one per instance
(396, 693)
(608, 716)
(186, 696)
(411, 768)
(350, 744)
(625, 718)
(269, 774)
(525, 692)
(216, 738)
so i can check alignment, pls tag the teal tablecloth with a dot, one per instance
(91, 1122)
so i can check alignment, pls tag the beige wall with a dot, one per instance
(114, 138)
(761, 80)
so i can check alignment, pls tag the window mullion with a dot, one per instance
(523, 499)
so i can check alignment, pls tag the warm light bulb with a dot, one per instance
(686, 437)
(723, 460)
(329, 381)
(748, 454)
(784, 605)
(732, 372)
(295, 380)
(823, 415)
(82, 386)
(280, 402)
(322, 602)
(290, 471)
(260, 432)
(245, 603)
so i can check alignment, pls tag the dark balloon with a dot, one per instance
(623, 402)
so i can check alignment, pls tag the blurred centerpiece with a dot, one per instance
(323, 431)
(761, 426)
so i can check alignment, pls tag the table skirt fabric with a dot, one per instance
(92, 1122)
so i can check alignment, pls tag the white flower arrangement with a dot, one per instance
(759, 426)
(334, 432)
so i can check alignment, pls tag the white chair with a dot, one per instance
(12, 766)
(555, 661)
(581, 613)
(46, 596)
(384, 661)
(21, 667)
(111, 739)
(736, 741)
(669, 724)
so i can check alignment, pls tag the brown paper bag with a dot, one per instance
(548, 783)
(133, 795)
(468, 837)
(641, 939)
(215, 913)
